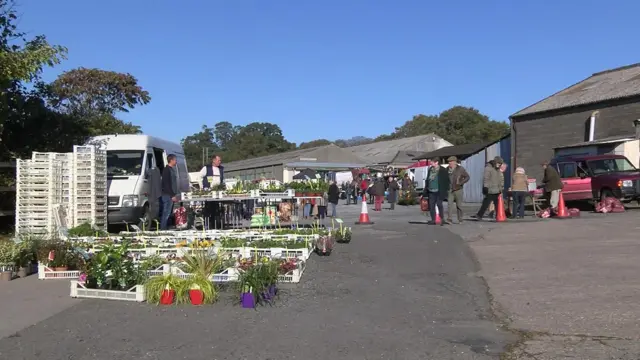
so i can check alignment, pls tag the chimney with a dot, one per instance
(636, 124)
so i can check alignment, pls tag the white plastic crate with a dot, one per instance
(47, 273)
(294, 275)
(38, 192)
(78, 290)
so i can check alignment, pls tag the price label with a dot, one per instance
(339, 221)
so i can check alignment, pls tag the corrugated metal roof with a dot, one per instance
(460, 151)
(606, 85)
(607, 140)
(324, 165)
(322, 154)
(384, 152)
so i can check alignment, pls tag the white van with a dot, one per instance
(129, 159)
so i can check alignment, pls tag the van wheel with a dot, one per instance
(144, 222)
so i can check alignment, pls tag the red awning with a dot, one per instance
(420, 163)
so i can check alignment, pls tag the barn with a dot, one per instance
(596, 109)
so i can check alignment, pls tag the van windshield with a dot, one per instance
(124, 162)
(603, 166)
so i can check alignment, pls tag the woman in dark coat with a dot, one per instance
(378, 193)
(393, 192)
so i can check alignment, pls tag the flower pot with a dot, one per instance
(248, 301)
(23, 272)
(273, 291)
(6, 275)
(167, 297)
(61, 268)
(196, 297)
(266, 295)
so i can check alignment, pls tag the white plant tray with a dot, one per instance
(78, 290)
(293, 276)
(47, 273)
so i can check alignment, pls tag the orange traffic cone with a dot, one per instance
(562, 210)
(438, 218)
(500, 215)
(364, 215)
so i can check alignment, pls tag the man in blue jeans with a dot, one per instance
(169, 190)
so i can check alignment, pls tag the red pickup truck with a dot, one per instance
(595, 177)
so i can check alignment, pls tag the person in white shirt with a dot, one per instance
(212, 176)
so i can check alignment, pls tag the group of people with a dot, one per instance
(164, 191)
(448, 183)
(324, 206)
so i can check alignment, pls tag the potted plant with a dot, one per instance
(7, 260)
(250, 286)
(58, 259)
(162, 289)
(269, 271)
(23, 258)
(199, 291)
(202, 266)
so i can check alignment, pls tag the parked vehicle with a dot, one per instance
(595, 177)
(129, 159)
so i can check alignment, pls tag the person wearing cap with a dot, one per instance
(458, 176)
(492, 185)
(393, 192)
(552, 184)
(436, 189)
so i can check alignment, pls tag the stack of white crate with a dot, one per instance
(66, 161)
(90, 186)
(38, 194)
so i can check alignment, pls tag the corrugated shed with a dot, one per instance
(474, 165)
(322, 154)
(612, 84)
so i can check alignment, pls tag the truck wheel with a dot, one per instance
(605, 194)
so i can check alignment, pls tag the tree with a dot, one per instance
(234, 142)
(314, 143)
(458, 125)
(193, 146)
(32, 126)
(354, 141)
(224, 133)
(258, 139)
(89, 92)
(20, 59)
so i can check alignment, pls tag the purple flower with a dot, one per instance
(82, 278)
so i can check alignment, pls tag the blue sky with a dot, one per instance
(335, 69)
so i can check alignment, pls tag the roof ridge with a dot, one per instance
(625, 67)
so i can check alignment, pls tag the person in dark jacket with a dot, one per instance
(155, 196)
(377, 190)
(552, 184)
(393, 192)
(492, 185)
(169, 190)
(436, 189)
(407, 184)
(333, 197)
(458, 176)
